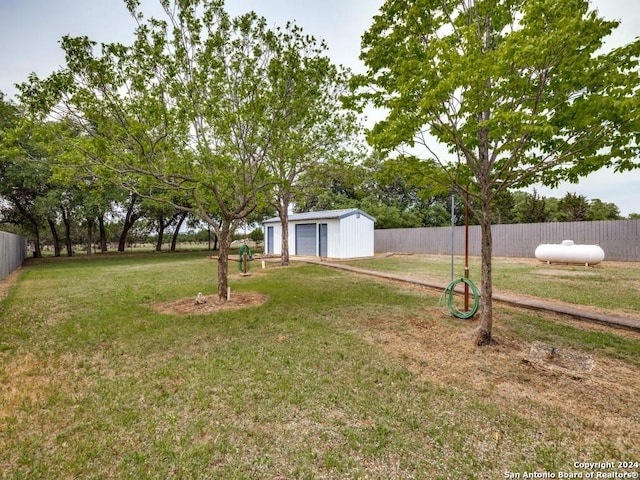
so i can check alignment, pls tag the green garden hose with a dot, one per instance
(244, 263)
(449, 293)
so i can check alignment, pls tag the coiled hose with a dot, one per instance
(449, 293)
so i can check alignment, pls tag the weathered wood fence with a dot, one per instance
(620, 239)
(13, 251)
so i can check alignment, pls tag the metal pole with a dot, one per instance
(466, 249)
(244, 252)
(452, 233)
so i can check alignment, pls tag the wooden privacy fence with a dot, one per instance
(13, 251)
(620, 239)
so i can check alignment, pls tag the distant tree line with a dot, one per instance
(398, 201)
(57, 207)
(203, 115)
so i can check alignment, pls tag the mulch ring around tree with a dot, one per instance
(207, 304)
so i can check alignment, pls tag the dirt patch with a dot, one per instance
(207, 304)
(22, 383)
(563, 360)
(9, 281)
(517, 375)
(564, 273)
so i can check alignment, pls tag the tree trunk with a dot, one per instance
(285, 239)
(89, 237)
(176, 233)
(483, 336)
(129, 219)
(283, 213)
(484, 178)
(67, 233)
(224, 243)
(37, 251)
(103, 234)
(56, 239)
(161, 227)
(122, 243)
(215, 236)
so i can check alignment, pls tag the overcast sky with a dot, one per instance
(31, 29)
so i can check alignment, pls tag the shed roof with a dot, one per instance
(322, 215)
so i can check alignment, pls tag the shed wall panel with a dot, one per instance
(277, 238)
(333, 237)
(356, 237)
(322, 239)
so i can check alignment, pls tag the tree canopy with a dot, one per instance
(516, 93)
(312, 128)
(195, 113)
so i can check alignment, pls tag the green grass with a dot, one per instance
(94, 384)
(607, 285)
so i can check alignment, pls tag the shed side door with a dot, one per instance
(270, 248)
(306, 239)
(322, 246)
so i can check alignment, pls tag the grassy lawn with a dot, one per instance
(335, 376)
(614, 286)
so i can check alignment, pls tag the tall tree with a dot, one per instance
(573, 207)
(529, 207)
(132, 213)
(599, 210)
(184, 109)
(516, 92)
(30, 196)
(311, 127)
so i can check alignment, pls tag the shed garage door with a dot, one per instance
(306, 239)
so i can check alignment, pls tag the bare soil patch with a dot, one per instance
(563, 360)
(208, 304)
(598, 392)
(9, 281)
(565, 273)
(22, 383)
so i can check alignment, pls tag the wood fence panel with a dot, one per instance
(620, 239)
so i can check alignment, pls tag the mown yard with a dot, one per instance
(335, 375)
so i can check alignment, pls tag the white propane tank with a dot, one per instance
(569, 252)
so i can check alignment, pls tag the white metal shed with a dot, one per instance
(344, 233)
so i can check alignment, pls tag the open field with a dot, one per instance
(327, 375)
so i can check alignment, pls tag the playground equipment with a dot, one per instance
(569, 252)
